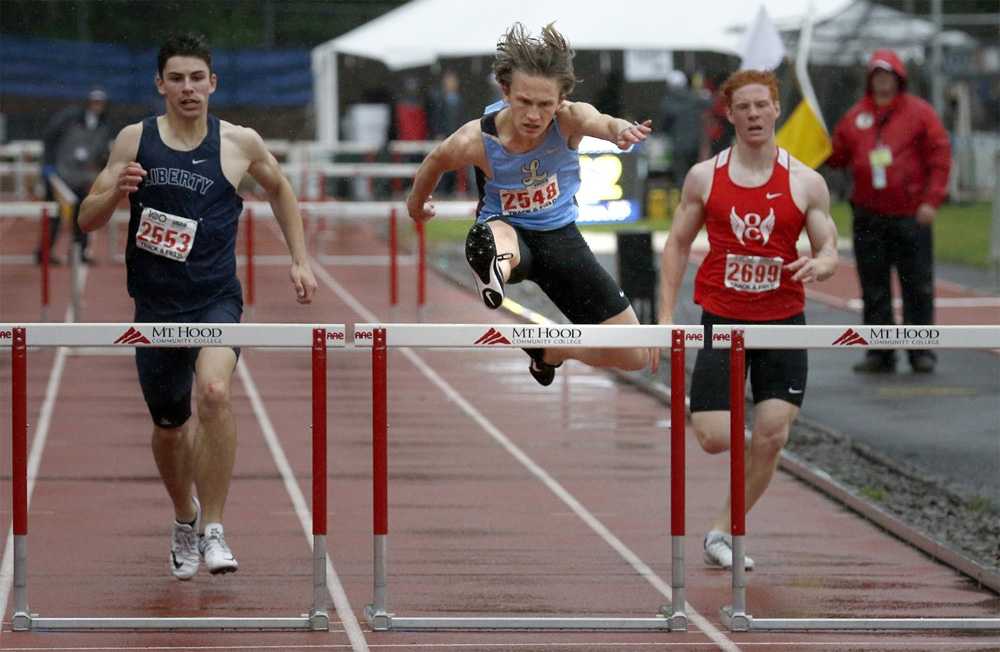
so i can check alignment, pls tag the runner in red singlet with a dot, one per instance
(754, 200)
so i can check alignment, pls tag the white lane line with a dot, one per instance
(633, 560)
(35, 455)
(340, 601)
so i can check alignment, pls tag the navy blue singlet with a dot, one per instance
(189, 185)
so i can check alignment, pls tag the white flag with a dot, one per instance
(762, 47)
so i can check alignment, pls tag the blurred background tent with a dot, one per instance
(451, 29)
(848, 36)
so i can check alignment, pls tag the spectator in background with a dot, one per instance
(410, 116)
(76, 143)
(445, 114)
(683, 113)
(609, 99)
(899, 156)
(718, 131)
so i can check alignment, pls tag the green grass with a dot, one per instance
(873, 493)
(961, 232)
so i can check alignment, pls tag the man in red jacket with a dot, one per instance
(899, 156)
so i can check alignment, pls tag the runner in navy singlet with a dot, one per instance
(527, 165)
(754, 200)
(180, 172)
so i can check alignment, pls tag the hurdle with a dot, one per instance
(41, 211)
(380, 338)
(19, 337)
(740, 338)
(395, 212)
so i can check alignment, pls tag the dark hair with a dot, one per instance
(546, 56)
(183, 45)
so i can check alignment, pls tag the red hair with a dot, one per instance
(742, 78)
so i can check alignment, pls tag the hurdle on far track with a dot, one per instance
(322, 211)
(313, 211)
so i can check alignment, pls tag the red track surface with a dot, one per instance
(472, 529)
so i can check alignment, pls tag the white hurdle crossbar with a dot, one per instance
(19, 337)
(380, 338)
(741, 338)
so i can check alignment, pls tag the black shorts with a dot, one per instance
(774, 373)
(166, 375)
(564, 267)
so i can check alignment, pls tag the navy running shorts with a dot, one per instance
(166, 375)
(564, 267)
(774, 373)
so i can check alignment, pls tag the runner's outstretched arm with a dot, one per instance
(582, 119)
(461, 149)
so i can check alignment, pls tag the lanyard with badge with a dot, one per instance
(880, 157)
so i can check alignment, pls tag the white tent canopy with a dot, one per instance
(849, 36)
(421, 31)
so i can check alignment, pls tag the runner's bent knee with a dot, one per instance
(770, 442)
(712, 430)
(213, 396)
(506, 241)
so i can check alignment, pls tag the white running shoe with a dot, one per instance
(184, 555)
(719, 550)
(217, 555)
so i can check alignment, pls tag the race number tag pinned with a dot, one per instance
(752, 273)
(532, 198)
(165, 235)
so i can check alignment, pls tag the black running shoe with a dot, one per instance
(481, 252)
(540, 370)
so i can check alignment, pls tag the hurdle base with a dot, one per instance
(678, 620)
(23, 622)
(378, 619)
(319, 620)
(736, 621)
(874, 624)
(382, 621)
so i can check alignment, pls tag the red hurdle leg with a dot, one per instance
(19, 475)
(251, 294)
(45, 260)
(737, 466)
(393, 265)
(318, 615)
(677, 614)
(421, 266)
(376, 611)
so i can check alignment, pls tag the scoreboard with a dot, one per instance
(610, 183)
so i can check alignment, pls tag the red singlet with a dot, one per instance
(751, 234)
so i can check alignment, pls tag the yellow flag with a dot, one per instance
(805, 137)
(804, 134)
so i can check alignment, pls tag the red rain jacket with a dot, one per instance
(921, 151)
